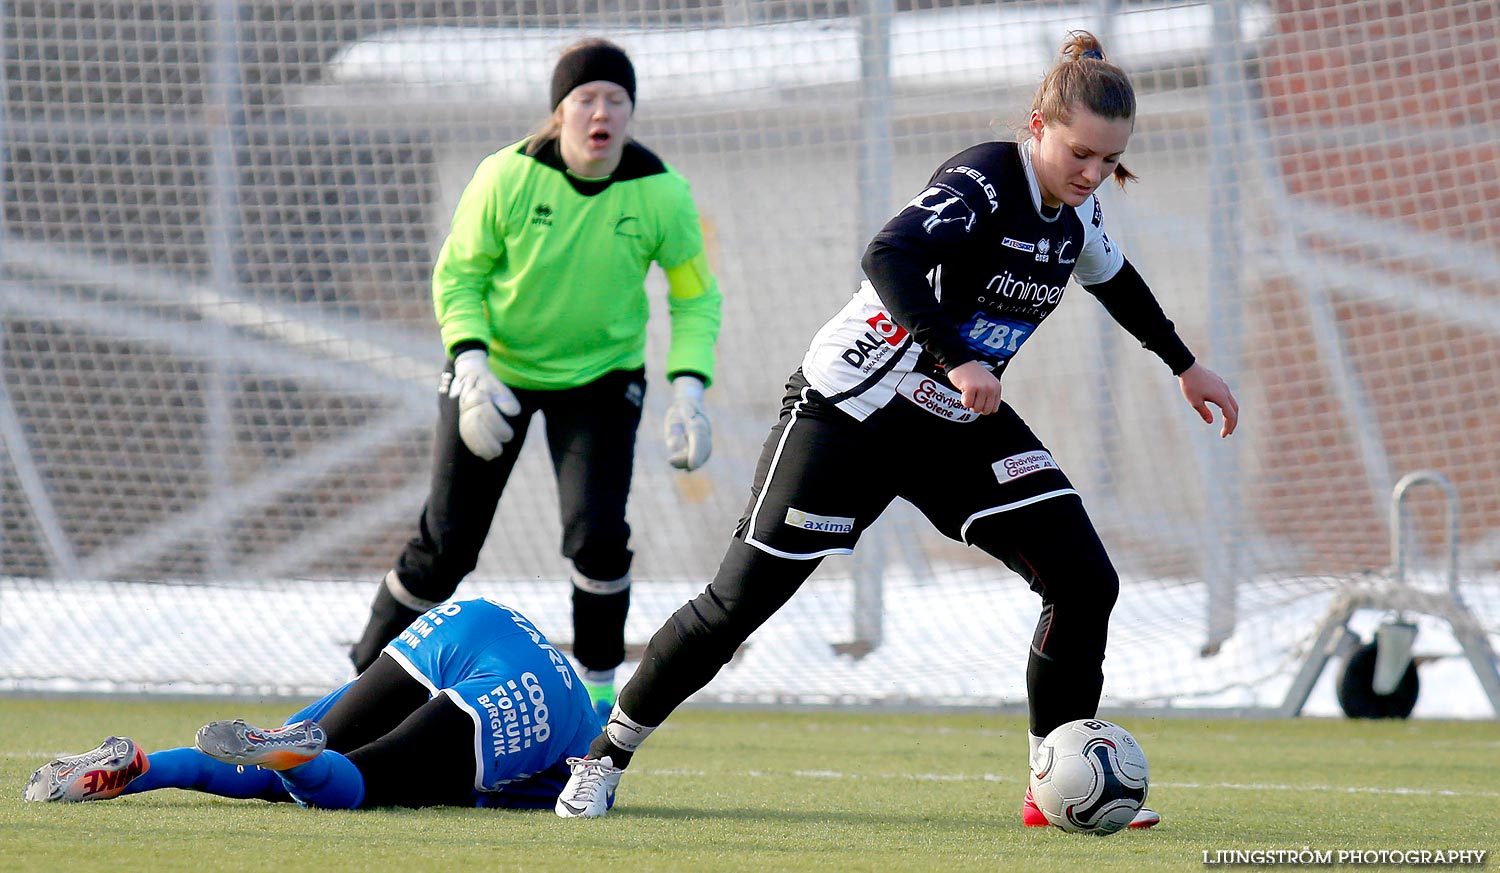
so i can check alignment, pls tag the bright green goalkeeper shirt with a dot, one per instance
(548, 270)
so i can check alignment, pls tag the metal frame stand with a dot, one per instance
(1394, 594)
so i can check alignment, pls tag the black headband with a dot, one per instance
(592, 63)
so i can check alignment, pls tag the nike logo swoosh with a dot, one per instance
(576, 810)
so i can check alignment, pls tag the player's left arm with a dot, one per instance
(695, 305)
(1130, 302)
(694, 302)
(1103, 270)
(696, 308)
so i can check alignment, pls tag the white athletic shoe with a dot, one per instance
(97, 775)
(235, 742)
(590, 791)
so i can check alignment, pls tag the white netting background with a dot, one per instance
(217, 352)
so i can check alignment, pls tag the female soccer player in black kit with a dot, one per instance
(957, 282)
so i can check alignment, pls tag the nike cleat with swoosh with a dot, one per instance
(235, 742)
(96, 775)
(590, 791)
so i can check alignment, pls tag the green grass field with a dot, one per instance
(767, 791)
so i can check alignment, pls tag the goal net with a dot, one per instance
(218, 358)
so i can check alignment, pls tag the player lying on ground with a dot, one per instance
(899, 395)
(470, 706)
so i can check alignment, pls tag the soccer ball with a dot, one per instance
(1089, 777)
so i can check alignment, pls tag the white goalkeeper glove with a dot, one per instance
(689, 437)
(483, 403)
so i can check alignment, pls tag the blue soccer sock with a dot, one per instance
(192, 770)
(329, 781)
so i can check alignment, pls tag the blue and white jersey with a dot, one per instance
(530, 709)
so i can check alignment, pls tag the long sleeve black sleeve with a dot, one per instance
(1131, 304)
(898, 271)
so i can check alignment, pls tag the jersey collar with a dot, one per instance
(550, 154)
(1031, 184)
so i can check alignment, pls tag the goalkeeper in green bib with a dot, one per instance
(540, 298)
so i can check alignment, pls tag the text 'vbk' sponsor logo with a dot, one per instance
(1002, 337)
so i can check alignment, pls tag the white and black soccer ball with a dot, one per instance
(1089, 777)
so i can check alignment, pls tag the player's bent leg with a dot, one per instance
(1052, 544)
(237, 742)
(451, 530)
(100, 774)
(426, 760)
(380, 699)
(296, 754)
(591, 433)
(688, 651)
(328, 781)
(683, 656)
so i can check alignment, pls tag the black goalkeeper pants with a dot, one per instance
(824, 477)
(591, 433)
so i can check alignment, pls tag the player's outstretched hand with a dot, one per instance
(1202, 386)
(980, 388)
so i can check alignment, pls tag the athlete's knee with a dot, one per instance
(419, 596)
(1086, 580)
(749, 588)
(1084, 619)
(1103, 590)
(600, 559)
(432, 575)
(708, 628)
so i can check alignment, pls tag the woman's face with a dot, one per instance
(594, 118)
(1073, 159)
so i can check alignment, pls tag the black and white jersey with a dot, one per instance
(966, 271)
